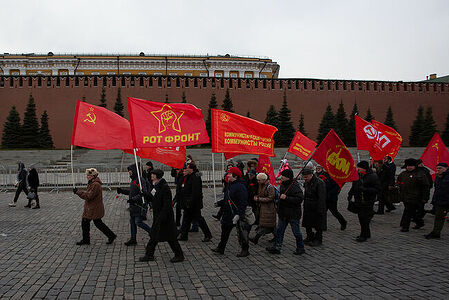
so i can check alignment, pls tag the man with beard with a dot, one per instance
(137, 206)
(289, 212)
(164, 227)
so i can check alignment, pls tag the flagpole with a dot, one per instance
(71, 164)
(121, 169)
(297, 176)
(137, 168)
(213, 177)
(282, 162)
(356, 145)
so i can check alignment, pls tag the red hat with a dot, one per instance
(235, 171)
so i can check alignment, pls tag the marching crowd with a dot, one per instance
(255, 207)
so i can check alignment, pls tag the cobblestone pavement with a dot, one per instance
(39, 259)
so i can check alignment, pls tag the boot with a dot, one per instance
(310, 237)
(111, 239)
(343, 225)
(83, 242)
(177, 259)
(318, 240)
(131, 242)
(273, 250)
(255, 239)
(243, 253)
(361, 239)
(217, 250)
(299, 251)
(432, 235)
(146, 258)
(206, 239)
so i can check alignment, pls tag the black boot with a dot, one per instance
(310, 237)
(131, 242)
(243, 253)
(177, 259)
(255, 239)
(83, 242)
(217, 250)
(146, 258)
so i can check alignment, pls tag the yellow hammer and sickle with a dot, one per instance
(91, 116)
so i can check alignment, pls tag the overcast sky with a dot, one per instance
(379, 40)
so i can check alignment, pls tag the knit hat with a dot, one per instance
(287, 173)
(306, 171)
(262, 176)
(91, 172)
(442, 164)
(363, 164)
(235, 171)
(158, 172)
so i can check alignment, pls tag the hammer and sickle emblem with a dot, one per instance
(91, 117)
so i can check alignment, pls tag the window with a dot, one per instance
(63, 73)
(15, 73)
(79, 73)
(263, 76)
(142, 73)
(218, 75)
(187, 74)
(110, 73)
(126, 73)
(203, 74)
(173, 74)
(248, 75)
(157, 74)
(95, 73)
(233, 75)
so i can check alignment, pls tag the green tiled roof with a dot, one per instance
(439, 79)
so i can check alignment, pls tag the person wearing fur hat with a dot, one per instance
(314, 207)
(93, 208)
(364, 190)
(289, 212)
(413, 190)
(137, 205)
(440, 200)
(267, 210)
(233, 206)
(164, 227)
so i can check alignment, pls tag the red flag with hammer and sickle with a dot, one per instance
(435, 153)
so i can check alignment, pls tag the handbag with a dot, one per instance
(353, 207)
(31, 195)
(250, 218)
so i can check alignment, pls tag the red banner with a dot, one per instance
(171, 156)
(96, 127)
(336, 159)
(302, 146)
(155, 124)
(264, 166)
(379, 139)
(236, 134)
(435, 153)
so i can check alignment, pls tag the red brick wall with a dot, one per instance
(309, 97)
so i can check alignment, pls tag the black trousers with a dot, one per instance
(242, 233)
(411, 210)
(174, 245)
(34, 190)
(384, 201)
(364, 220)
(178, 212)
(22, 187)
(189, 216)
(318, 235)
(332, 207)
(85, 225)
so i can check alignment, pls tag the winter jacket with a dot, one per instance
(365, 190)
(290, 207)
(441, 192)
(93, 200)
(21, 174)
(314, 203)
(332, 188)
(234, 202)
(251, 186)
(267, 209)
(190, 191)
(137, 206)
(428, 176)
(386, 177)
(413, 187)
(33, 179)
(164, 227)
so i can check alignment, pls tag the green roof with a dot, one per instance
(439, 79)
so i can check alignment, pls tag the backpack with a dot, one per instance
(277, 194)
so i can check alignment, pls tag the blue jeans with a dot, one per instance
(280, 230)
(137, 221)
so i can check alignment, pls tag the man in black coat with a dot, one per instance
(233, 207)
(421, 212)
(314, 207)
(289, 212)
(332, 191)
(364, 191)
(387, 181)
(21, 183)
(33, 183)
(164, 227)
(190, 196)
(440, 200)
(137, 205)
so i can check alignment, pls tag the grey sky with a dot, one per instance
(382, 40)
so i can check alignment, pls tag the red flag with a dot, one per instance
(171, 156)
(155, 124)
(264, 166)
(396, 138)
(379, 139)
(302, 146)
(336, 159)
(236, 134)
(435, 153)
(96, 127)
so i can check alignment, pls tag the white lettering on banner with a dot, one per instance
(373, 133)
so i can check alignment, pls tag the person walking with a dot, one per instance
(413, 190)
(93, 208)
(364, 190)
(332, 191)
(234, 205)
(387, 180)
(190, 195)
(314, 207)
(421, 208)
(264, 199)
(164, 227)
(21, 183)
(440, 200)
(33, 183)
(289, 212)
(137, 205)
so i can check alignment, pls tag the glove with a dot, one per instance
(215, 204)
(75, 190)
(235, 219)
(119, 191)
